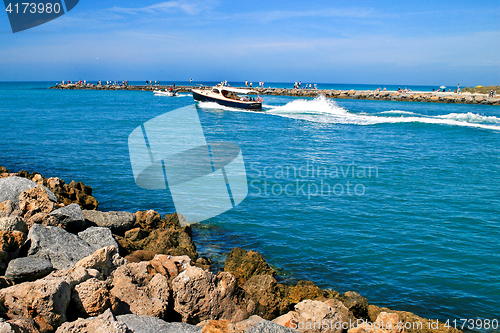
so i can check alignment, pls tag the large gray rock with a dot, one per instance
(70, 217)
(28, 269)
(270, 327)
(144, 324)
(118, 222)
(12, 187)
(98, 237)
(13, 223)
(62, 248)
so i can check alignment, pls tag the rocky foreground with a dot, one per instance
(68, 267)
(412, 96)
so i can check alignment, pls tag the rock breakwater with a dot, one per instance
(412, 96)
(68, 269)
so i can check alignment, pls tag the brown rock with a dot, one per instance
(6, 208)
(245, 264)
(170, 266)
(200, 295)
(140, 292)
(91, 297)
(35, 200)
(308, 290)
(43, 219)
(313, 314)
(19, 325)
(269, 298)
(105, 260)
(385, 323)
(148, 220)
(218, 326)
(175, 242)
(414, 323)
(357, 304)
(136, 234)
(141, 255)
(45, 301)
(11, 241)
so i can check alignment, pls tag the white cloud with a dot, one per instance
(189, 7)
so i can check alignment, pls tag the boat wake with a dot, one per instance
(325, 110)
(216, 106)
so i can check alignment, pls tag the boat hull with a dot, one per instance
(233, 104)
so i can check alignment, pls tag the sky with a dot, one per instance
(365, 42)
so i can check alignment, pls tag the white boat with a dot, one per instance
(228, 96)
(170, 93)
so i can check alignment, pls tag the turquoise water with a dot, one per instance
(415, 227)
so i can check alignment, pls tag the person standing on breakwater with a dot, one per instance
(246, 83)
(458, 88)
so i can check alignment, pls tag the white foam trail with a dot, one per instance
(216, 106)
(470, 117)
(325, 110)
(397, 112)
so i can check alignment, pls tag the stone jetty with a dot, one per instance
(412, 96)
(67, 267)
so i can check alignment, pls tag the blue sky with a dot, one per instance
(379, 42)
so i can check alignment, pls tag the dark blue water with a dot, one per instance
(396, 200)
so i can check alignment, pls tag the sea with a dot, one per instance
(399, 201)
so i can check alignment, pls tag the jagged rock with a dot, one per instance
(13, 223)
(105, 260)
(308, 290)
(385, 323)
(144, 324)
(171, 241)
(43, 219)
(136, 234)
(245, 264)
(139, 291)
(19, 325)
(218, 326)
(10, 244)
(269, 327)
(148, 220)
(11, 241)
(105, 323)
(118, 222)
(28, 269)
(311, 314)
(75, 192)
(141, 255)
(6, 208)
(72, 276)
(62, 248)
(200, 295)
(270, 298)
(36, 200)
(70, 217)
(43, 300)
(356, 303)
(416, 324)
(170, 266)
(91, 297)
(12, 187)
(98, 237)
